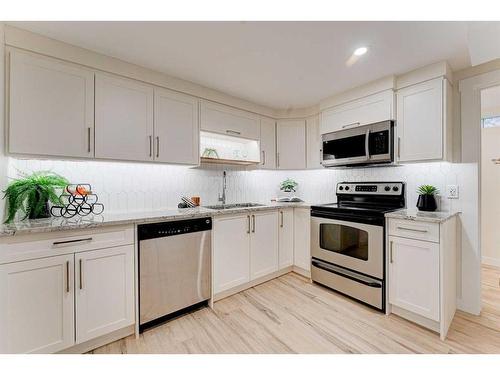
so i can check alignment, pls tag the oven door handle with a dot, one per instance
(335, 270)
(343, 217)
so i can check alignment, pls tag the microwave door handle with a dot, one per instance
(367, 144)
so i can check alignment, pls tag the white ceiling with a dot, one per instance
(279, 64)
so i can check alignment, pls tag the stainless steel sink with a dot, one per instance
(228, 206)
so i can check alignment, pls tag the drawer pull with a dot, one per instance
(70, 242)
(413, 230)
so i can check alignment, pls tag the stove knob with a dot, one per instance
(347, 187)
(341, 188)
(387, 188)
(395, 188)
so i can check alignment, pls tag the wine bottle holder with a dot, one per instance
(77, 199)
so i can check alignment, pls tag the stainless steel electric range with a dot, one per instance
(348, 239)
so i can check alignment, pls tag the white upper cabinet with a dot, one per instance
(291, 144)
(51, 107)
(226, 120)
(176, 129)
(104, 291)
(367, 110)
(123, 119)
(267, 143)
(37, 305)
(313, 138)
(422, 121)
(263, 244)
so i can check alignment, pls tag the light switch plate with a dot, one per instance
(452, 191)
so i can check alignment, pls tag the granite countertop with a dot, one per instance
(431, 217)
(60, 224)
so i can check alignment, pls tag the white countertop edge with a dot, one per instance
(427, 216)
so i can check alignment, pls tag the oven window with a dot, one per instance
(349, 147)
(342, 239)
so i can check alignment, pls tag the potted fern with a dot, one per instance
(288, 186)
(31, 194)
(426, 199)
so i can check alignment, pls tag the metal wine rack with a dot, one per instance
(77, 199)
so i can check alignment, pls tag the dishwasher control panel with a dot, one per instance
(173, 228)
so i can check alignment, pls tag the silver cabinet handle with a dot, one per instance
(233, 132)
(348, 125)
(263, 157)
(413, 230)
(157, 147)
(278, 159)
(248, 227)
(390, 252)
(496, 161)
(81, 273)
(88, 139)
(399, 147)
(150, 146)
(71, 242)
(281, 225)
(67, 276)
(320, 156)
(253, 222)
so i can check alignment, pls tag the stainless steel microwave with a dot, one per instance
(363, 145)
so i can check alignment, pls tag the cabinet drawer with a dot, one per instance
(414, 229)
(39, 245)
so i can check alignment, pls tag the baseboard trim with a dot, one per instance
(490, 261)
(87, 346)
(302, 271)
(251, 284)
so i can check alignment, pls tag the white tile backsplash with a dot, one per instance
(141, 186)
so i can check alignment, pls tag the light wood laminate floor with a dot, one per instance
(291, 315)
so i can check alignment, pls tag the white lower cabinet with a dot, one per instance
(422, 266)
(263, 244)
(302, 240)
(414, 275)
(104, 291)
(245, 248)
(231, 252)
(285, 238)
(37, 305)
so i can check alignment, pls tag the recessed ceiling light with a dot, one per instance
(360, 51)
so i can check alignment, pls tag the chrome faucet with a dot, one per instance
(222, 197)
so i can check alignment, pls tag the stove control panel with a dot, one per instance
(363, 188)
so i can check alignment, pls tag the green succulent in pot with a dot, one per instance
(288, 185)
(32, 193)
(426, 200)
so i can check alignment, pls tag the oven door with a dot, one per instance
(345, 147)
(356, 246)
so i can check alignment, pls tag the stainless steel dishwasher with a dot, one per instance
(174, 268)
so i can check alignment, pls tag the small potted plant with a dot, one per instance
(31, 194)
(426, 199)
(289, 186)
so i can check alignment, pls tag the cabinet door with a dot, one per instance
(302, 238)
(370, 109)
(231, 251)
(285, 238)
(222, 119)
(104, 291)
(123, 119)
(176, 128)
(263, 244)
(51, 107)
(420, 124)
(414, 276)
(268, 144)
(37, 305)
(313, 143)
(291, 144)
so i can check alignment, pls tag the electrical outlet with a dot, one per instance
(452, 191)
